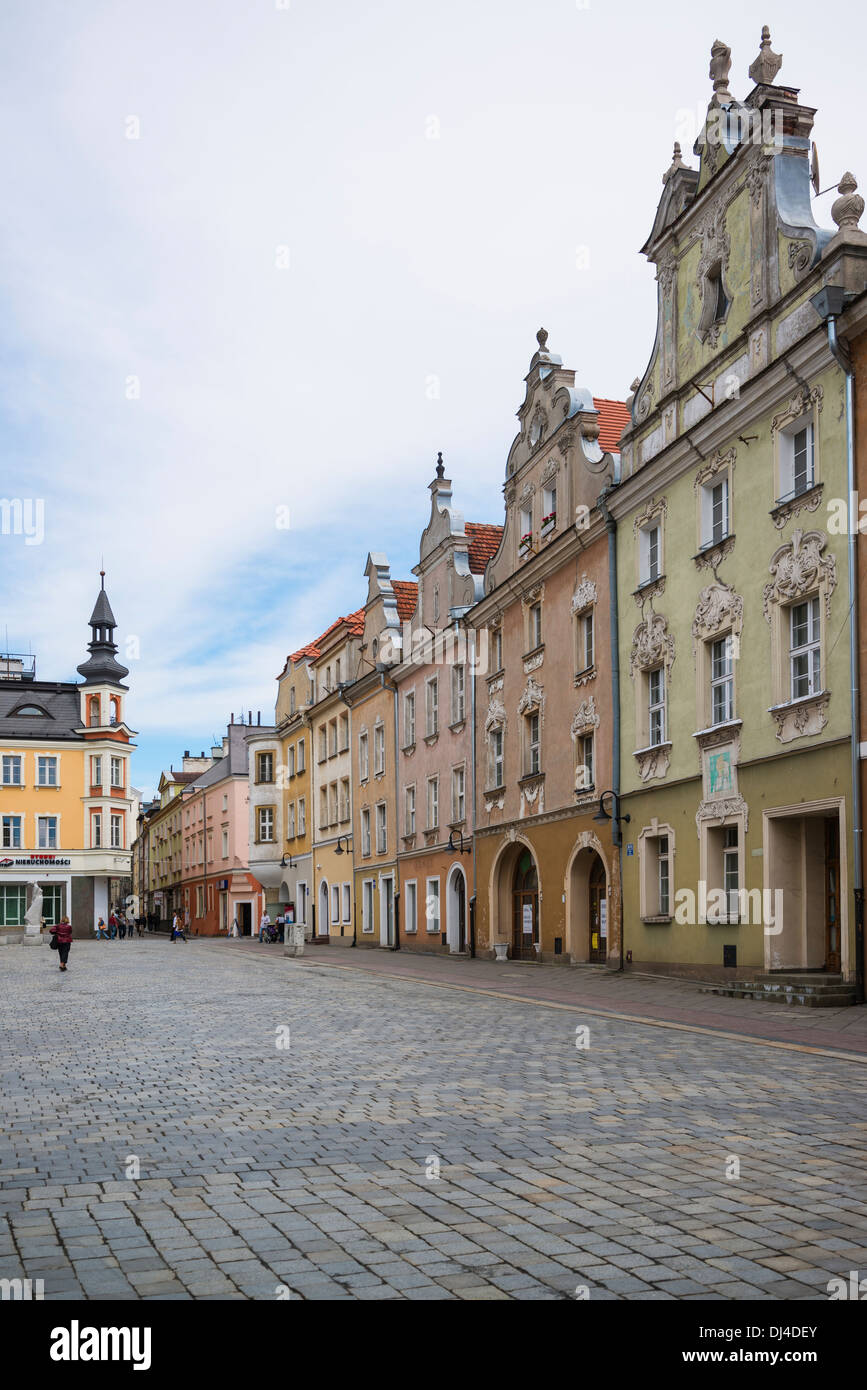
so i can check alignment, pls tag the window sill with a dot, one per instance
(534, 651)
(645, 585)
(430, 739)
(494, 791)
(496, 675)
(458, 726)
(652, 748)
(721, 728)
(408, 748)
(530, 778)
(792, 503)
(802, 702)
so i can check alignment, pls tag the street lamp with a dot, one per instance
(285, 865)
(460, 847)
(340, 849)
(614, 816)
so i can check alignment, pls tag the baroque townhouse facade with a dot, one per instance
(436, 691)
(67, 807)
(733, 596)
(372, 700)
(336, 663)
(547, 883)
(218, 885)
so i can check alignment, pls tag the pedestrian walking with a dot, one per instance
(121, 927)
(62, 934)
(112, 925)
(101, 933)
(178, 932)
(265, 922)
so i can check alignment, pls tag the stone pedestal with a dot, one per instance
(502, 950)
(294, 945)
(32, 935)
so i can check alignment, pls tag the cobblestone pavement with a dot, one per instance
(257, 1168)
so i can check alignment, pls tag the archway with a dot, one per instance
(525, 908)
(456, 909)
(589, 925)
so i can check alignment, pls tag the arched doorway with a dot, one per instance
(456, 910)
(598, 912)
(588, 899)
(525, 908)
(323, 909)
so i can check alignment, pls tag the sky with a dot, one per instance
(262, 259)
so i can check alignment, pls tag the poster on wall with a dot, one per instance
(603, 917)
(528, 919)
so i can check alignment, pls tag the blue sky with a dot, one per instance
(324, 257)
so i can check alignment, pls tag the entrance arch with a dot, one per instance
(502, 900)
(589, 925)
(456, 909)
(323, 909)
(525, 908)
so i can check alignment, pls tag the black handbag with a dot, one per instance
(53, 943)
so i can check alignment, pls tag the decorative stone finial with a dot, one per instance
(766, 66)
(542, 339)
(847, 209)
(720, 65)
(441, 469)
(676, 163)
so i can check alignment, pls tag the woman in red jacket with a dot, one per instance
(63, 932)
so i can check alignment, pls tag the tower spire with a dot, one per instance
(101, 666)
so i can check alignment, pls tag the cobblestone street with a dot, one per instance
(162, 1140)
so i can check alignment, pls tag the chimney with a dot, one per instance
(259, 717)
(232, 717)
(186, 752)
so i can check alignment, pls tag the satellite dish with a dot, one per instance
(814, 170)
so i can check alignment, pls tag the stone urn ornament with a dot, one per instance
(501, 949)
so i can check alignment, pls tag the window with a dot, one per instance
(95, 771)
(367, 905)
(731, 877)
(381, 829)
(411, 908)
(200, 900)
(533, 760)
(656, 706)
(436, 603)
(332, 804)
(52, 903)
(432, 693)
(224, 911)
(497, 649)
(290, 762)
(292, 699)
(459, 701)
(549, 504)
(265, 767)
(365, 832)
(344, 733)
(300, 755)
(432, 905)
(663, 876)
(379, 749)
(584, 637)
(11, 770)
(526, 527)
(302, 816)
(344, 800)
(363, 758)
(433, 803)
(96, 831)
(93, 715)
(117, 832)
(46, 772)
(409, 797)
(265, 824)
(323, 743)
(459, 808)
(13, 904)
(805, 649)
(332, 739)
(290, 821)
(347, 902)
(116, 772)
(11, 832)
(584, 777)
(649, 554)
(335, 902)
(496, 755)
(409, 720)
(225, 844)
(323, 808)
(534, 630)
(722, 686)
(46, 832)
(715, 511)
(797, 460)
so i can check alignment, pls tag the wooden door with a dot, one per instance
(525, 898)
(461, 896)
(598, 913)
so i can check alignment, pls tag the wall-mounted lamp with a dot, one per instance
(614, 815)
(460, 847)
(340, 849)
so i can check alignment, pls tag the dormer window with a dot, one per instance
(31, 710)
(715, 304)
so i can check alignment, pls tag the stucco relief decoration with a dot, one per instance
(534, 595)
(655, 507)
(801, 720)
(509, 493)
(565, 440)
(800, 255)
(496, 716)
(538, 428)
(798, 405)
(584, 595)
(533, 662)
(527, 492)
(652, 645)
(653, 762)
(551, 469)
(715, 247)
(645, 403)
(586, 717)
(532, 698)
(799, 567)
(722, 809)
(716, 465)
(718, 607)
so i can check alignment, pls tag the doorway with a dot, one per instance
(598, 912)
(456, 910)
(323, 909)
(386, 912)
(245, 919)
(832, 895)
(525, 908)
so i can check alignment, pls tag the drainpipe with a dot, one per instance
(395, 896)
(844, 361)
(614, 631)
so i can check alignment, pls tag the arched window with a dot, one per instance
(115, 710)
(93, 711)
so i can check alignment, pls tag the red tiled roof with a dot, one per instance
(355, 624)
(614, 416)
(484, 542)
(406, 593)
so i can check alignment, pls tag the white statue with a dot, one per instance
(33, 918)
